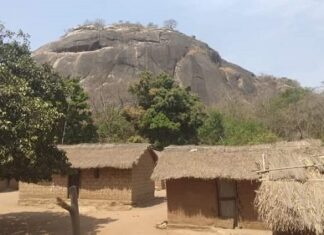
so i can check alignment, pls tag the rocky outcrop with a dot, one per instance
(108, 60)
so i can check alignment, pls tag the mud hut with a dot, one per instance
(105, 174)
(230, 186)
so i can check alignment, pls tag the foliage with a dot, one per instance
(28, 117)
(171, 114)
(113, 126)
(97, 23)
(212, 131)
(137, 139)
(170, 24)
(294, 114)
(242, 132)
(78, 125)
(152, 25)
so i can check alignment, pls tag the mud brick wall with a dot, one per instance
(44, 190)
(195, 202)
(192, 201)
(142, 185)
(248, 215)
(112, 184)
(3, 185)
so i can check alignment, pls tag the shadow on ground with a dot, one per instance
(53, 223)
(155, 201)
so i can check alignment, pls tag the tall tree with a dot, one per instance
(172, 115)
(28, 118)
(78, 126)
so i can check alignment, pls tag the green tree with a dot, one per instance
(28, 119)
(171, 114)
(212, 131)
(78, 126)
(66, 95)
(113, 125)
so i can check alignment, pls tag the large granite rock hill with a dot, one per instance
(107, 60)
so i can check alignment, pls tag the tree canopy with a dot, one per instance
(78, 126)
(296, 113)
(212, 130)
(28, 117)
(171, 114)
(37, 108)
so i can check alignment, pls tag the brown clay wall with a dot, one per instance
(142, 185)
(248, 216)
(3, 184)
(112, 185)
(43, 190)
(8, 184)
(13, 184)
(194, 202)
(294, 233)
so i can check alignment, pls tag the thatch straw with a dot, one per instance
(122, 156)
(292, 205)
(209, 162)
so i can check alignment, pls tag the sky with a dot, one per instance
(284, 38)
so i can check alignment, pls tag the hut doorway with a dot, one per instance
(74, 180)
(227, 200)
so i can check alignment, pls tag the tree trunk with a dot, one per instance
(73, 209)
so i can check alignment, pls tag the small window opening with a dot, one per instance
(96, 173)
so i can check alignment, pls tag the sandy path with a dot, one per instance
(18, 220)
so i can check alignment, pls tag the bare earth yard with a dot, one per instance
(17, 220)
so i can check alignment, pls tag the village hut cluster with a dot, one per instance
(277, 186)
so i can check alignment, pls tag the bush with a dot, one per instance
(212, 131)
(113, 126)
(241, 132)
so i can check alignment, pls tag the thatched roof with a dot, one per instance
(291, 193)
(244, 162)
(122, 156)
(292, 205)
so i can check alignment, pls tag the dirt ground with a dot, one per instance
(18, 220)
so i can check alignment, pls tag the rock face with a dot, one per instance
(108, 60)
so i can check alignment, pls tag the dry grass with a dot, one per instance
(121, 156)
(209, 162)
(295, 206)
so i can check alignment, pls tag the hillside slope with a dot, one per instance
(109, 59)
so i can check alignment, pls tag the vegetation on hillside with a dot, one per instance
(294, 114)
(164, 114)
(78, 125)
(113, 126)
(171, 114)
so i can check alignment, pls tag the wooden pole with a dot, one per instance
(73, 209)
(288, 167)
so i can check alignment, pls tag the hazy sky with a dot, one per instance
(279, 37)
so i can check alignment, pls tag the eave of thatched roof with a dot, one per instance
(292, 205)
(244, 162)
(122, 156)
